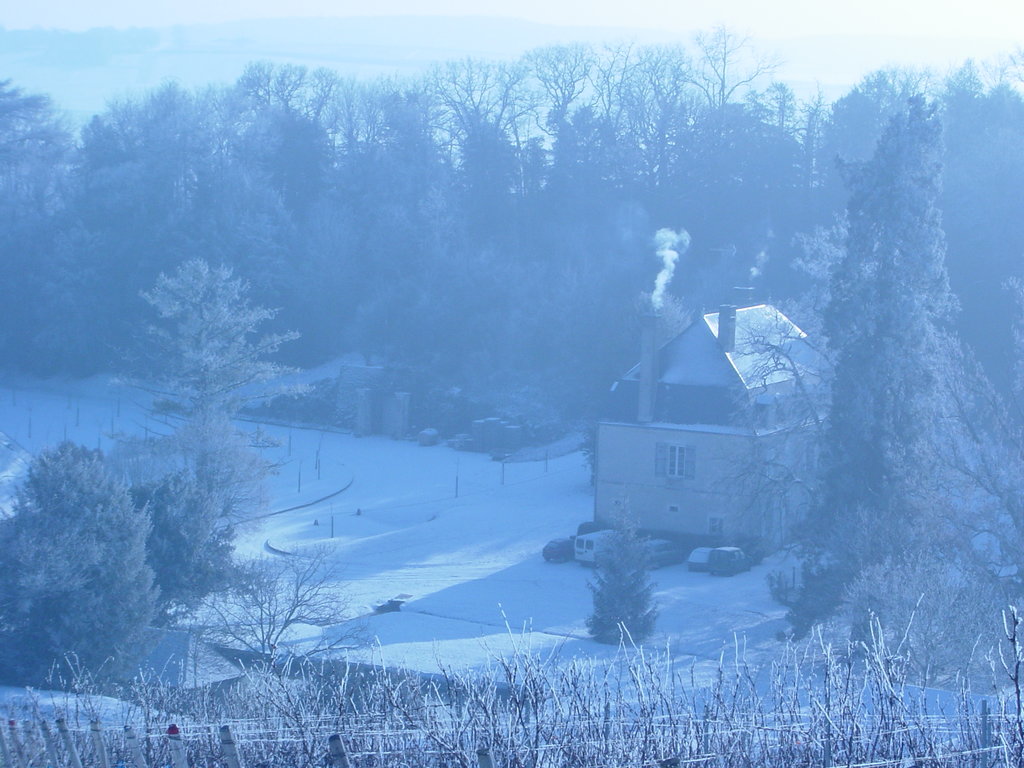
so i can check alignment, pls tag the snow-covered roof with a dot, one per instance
(769, 349)
(699, 382)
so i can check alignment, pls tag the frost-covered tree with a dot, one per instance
(75, 579)
(208, 339)
(281, 598)
(886, 322)
(946, 619)
(622, 589)
(210, 360)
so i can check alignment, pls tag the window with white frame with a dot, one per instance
(672, 460)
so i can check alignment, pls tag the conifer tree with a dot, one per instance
(75, 579)
(188, 549)
(890, 300)
(622, 591)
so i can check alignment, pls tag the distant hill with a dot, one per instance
(83, 70)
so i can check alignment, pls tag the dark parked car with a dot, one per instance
(559, 550)
(727, 561)
(662, 552)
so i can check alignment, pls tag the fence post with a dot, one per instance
(336, 754)
(134, 747)
(19, 753)
(5, 751)
(29, 742)
(227, 746)
(986, 735)
(177, 747)
(98, 746)
(51, 745)
(483, 758)
(69, 743)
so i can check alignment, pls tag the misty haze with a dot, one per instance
(489, 387)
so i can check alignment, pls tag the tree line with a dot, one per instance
(488, 226)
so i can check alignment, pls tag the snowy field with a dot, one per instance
(470, 562)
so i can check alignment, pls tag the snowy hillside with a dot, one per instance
(470, 563)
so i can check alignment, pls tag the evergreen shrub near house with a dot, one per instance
(623, 593)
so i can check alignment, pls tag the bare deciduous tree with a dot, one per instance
(563, 72)
(726, 64)
(946, 617)
(273, 597)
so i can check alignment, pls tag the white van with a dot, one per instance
(589, 546)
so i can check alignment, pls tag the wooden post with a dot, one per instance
(135, 747)
(98, 745)
(51, 745)
(177, 747)
(337, 756)
(227, 746)
(5, 751)
(30, 742)
(986, 735)
(483, 758)
(69, 743)
(19, 752)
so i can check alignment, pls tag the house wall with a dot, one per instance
(725, 486)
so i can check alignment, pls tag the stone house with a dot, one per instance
(709, 437)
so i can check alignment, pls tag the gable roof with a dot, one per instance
(700, 383)
(770, 348)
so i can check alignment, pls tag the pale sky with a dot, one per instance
(1002, 19)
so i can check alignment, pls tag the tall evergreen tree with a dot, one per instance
(890, 300)
(75, 580)
(622, 591)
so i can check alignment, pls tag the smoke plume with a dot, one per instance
(669, 244)
(759, 261)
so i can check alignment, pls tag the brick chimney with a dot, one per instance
(648, 367)
(727, 327)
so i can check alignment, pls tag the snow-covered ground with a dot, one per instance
(471, 562)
